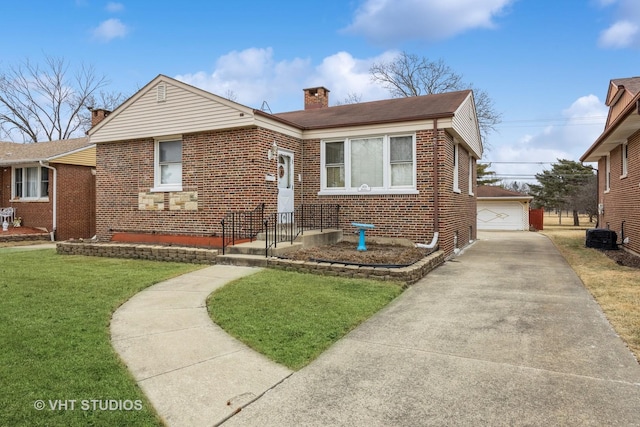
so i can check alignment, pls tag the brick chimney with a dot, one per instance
(98, 115)
(316, 97)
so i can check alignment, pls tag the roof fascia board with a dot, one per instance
(608, 131)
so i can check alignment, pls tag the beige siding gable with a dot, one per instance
(465, 125)
(168, 107)
(81, 157)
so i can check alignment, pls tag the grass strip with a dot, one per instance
(293, 317)
(55, 345)
(616, 288)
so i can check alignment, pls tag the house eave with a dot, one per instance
(626, 125)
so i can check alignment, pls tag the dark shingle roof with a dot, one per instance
(386, 111)
(12, 152)
(632, 84)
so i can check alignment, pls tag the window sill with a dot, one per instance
(30, 200)
(165, 189)
(365, 193)
(607, 191)
(457, 190)
(623, 176)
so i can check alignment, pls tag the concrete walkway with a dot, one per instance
(193, 373)
(505, 334)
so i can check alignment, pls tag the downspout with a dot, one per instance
(436, 217)
(55, 199)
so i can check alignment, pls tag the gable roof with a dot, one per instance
(495, 192)
(188, 109)
(625, 124)
(12, 153)
(385, 111)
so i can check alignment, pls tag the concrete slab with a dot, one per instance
(190, 369)
(504, 334)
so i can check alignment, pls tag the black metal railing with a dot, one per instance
(287, 226)
(242, 225)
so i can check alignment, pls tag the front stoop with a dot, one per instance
(253, 253)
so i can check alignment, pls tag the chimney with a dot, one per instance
(98, 115)
(316, 97)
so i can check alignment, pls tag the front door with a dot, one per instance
(285, 185)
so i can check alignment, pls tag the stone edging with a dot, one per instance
(135, 251)
(407, 275)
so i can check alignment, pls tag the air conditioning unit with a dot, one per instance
(601, 238)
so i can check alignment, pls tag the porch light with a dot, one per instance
(273, 151)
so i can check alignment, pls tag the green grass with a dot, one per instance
(54, 336)
(293, 317)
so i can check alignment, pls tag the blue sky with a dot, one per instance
(545, 63)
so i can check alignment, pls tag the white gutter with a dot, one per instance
(55, 198)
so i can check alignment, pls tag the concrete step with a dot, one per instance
(242, 260)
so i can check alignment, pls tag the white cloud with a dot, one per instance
(114, 7)
(387, 21)
(254, 76)
(109, 30)
(619, 35)
(625, 30)
(569, 137)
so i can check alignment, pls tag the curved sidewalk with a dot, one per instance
(193, 373)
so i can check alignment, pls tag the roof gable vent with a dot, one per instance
(161, 92)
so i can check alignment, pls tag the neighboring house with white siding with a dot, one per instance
(173, 160)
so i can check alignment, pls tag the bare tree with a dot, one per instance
(412, 75)
(47, 103)
(351, 98)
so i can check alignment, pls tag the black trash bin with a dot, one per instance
(601, 238)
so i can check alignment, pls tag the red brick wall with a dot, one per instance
(226, 168)
(407, 216)
(76, 195)
(76, 202)
(622, 201)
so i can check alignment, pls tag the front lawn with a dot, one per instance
(56, 360)
(293, 317)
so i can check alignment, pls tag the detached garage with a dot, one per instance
(500, 209)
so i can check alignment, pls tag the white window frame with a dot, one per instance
(607, 173)
(158, 186)
(21, 197)
(386, 187)
(456, 167)
(625, 159)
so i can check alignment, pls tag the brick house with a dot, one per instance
(617, 152)
(51, 185)
(174, 159)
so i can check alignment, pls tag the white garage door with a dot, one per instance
(499, 215)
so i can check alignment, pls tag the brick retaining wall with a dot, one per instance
(133, 251)
(407, 275)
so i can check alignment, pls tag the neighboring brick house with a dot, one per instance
(173, 160)
(617, 151)
(51, 185)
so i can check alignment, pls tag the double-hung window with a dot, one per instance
(373, 164)
(456, 167)
(168, 165)
(31, 183)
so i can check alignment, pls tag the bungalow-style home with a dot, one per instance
(173, 160)
(617, 152)
(50, 186)
(502, 209)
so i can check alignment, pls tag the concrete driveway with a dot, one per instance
(505, 334)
